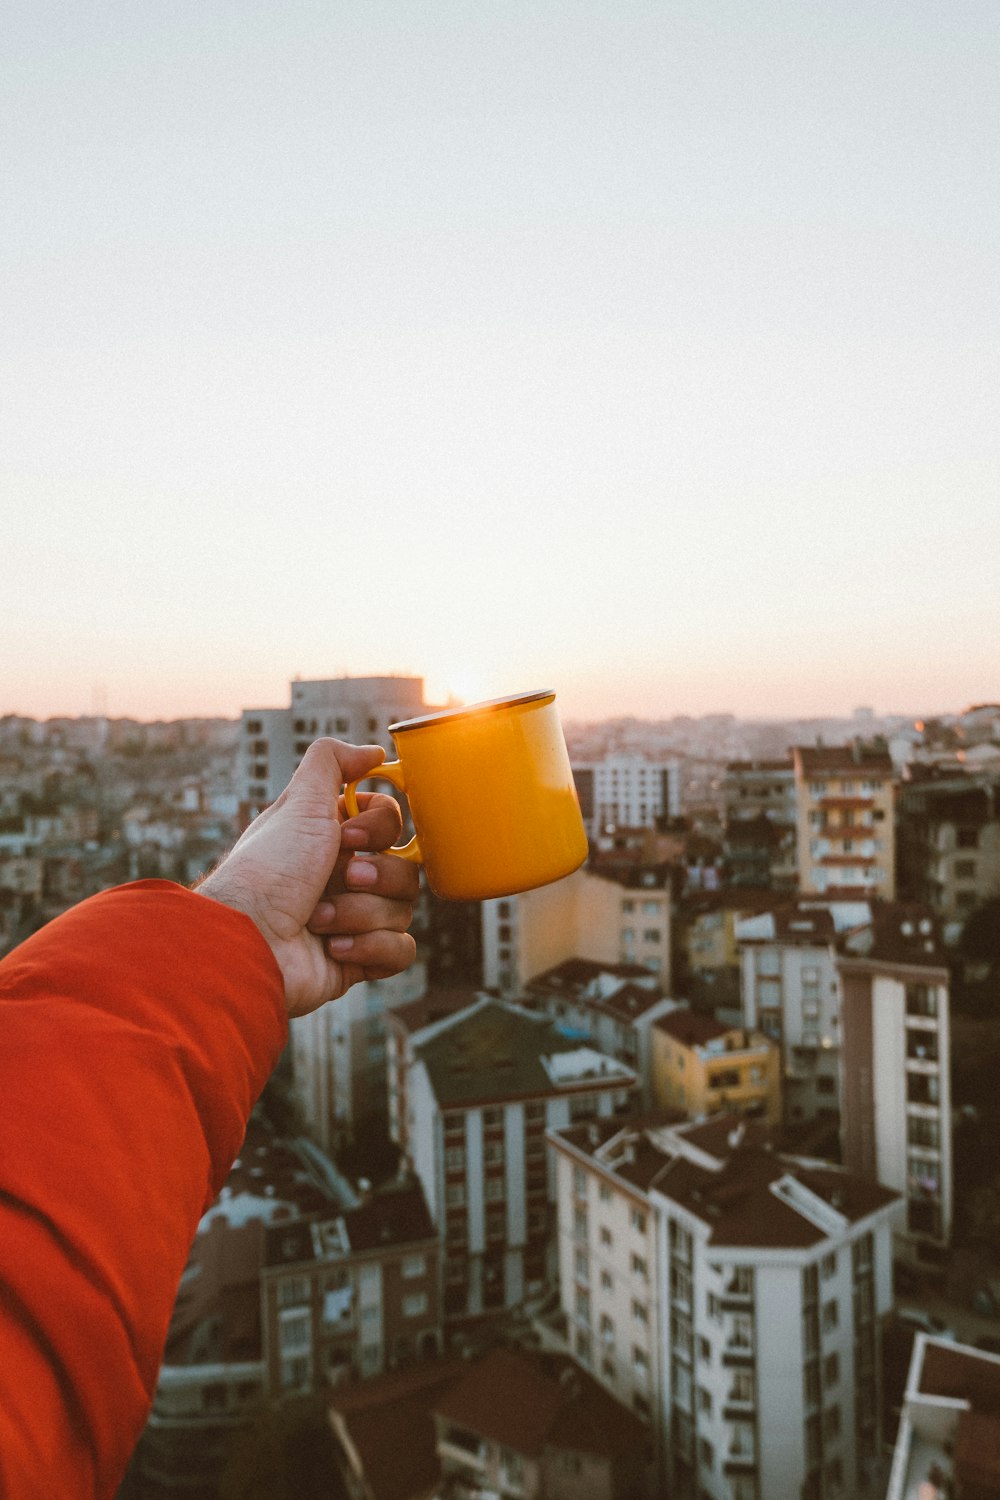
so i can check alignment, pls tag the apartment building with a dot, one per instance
(948, 1442)
(707, 952)
(759, 818)
(351, 1294)
(790, 993)
(895, 1084)
(626, 791)
(845, 821)
(949, 843)
(339, 1057)
(272, 741)
(482, 1087)
(613, 916)
(701, 1066)
(732, 1297)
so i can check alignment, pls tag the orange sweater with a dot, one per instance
(136, 1032)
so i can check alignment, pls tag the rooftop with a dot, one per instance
(498, 1052)
(528, 1400)
(390, 1426)
(949, 1427)
(842, 759)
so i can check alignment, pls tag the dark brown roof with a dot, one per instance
(528, 1400)
(573, 975)
(838, 759)
(977, 1454)
(391, 1426)
(691, 1028)
(396, 1214)
(955, 1371)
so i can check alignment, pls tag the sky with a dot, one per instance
(643, 351)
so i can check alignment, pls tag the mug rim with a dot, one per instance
(467, 710)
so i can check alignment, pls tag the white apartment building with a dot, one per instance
(948, 1442)
(732, 1297)
(357, 709)
(339, 1056)
(845, 821)
(482, 1088)
(896, 1073)
(627, 791)
(789, 991)
(589, 915)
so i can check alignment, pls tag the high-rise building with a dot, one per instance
(949, 842)
(481, 1088)
(356, 709)
(895, 1084)
(845, 820)
(731, 1296)
(759, 813)
(626, 791)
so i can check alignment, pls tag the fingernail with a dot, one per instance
(361, 872)
(325, 912)
(353, 837)
(340, 945)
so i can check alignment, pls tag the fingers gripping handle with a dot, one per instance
(392, 772)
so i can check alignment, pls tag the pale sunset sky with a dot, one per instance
(647, 351)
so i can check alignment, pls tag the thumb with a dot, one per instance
(325, 767)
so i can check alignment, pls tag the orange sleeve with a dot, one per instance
(136, 1032)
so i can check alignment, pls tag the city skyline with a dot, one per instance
(647, 353)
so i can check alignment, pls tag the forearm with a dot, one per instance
(136, 1032)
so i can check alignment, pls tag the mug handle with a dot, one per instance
(392, 771)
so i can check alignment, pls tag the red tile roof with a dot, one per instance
(391, 1427)
(691, 1028)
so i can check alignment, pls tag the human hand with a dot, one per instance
(330, 918)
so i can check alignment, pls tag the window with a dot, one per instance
(605, 1236)
(454, 1194)
(640, 1311)
(292, 1290)
(640, 1358)
(831, 1369)
(830, 1315)
(607, 1329)
(704, 1401)
(828, 1266)
(638, 1220)
(492, 1117)
(704, 1350)
(295, 1331)
(494, 1189)
(581, 1264)
(454, 1158)
(604, 1193)
(651, 934)
(741, 1388)
(580, 1181)
(706, 1454)
(607, 1281)
(638, 1266)
(965, 869)
(583, 1305)
(415, 1305)
(414, 1265)
(965, 838)
(493, 1156)
(831, 1423)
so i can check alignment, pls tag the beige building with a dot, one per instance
(845, 821)
(700, 1066)
(607, 918)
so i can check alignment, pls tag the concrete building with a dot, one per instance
(339, 1057)
(732, 1297)
(352, 1294)
(630, 791)
(701, 1066)
(759, 818)
(895, 1083)
(949, 1430)
(482, 1086)
(845, 821)
(612, 917)
(272, 741)
(707, 952)
(949, 843)
(790, 993)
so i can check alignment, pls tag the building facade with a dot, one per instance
(759, 819)
(896, 1073)
(617, 918)
(482, 1088)
(630, 791)
(732, 1297)
(701, 1066)
(845, 821)
(949, 843)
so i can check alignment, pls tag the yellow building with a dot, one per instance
(608, 918)
(701, 1066)
(845, 821)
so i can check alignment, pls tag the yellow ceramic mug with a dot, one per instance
(491, 795)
